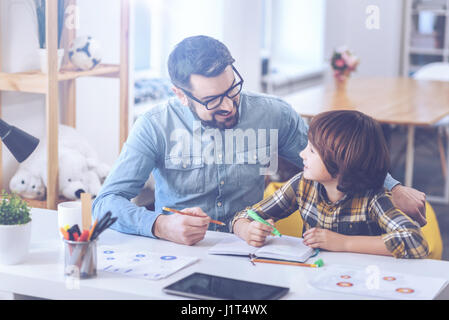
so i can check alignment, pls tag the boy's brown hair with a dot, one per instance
(352, 146)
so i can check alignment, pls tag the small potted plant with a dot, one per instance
(41, 28)
(15, 228)
(343, 63)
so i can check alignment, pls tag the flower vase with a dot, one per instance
(341, 84)
(14, 243)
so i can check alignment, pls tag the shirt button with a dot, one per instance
(222, 182)
(219, 204)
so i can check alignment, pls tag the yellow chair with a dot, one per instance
(292, 225)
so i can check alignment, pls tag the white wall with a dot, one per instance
(98, 98)
(299, 32)
(234, 22)
(379, 50)
(242, 27)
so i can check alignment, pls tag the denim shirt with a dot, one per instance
(220, 171)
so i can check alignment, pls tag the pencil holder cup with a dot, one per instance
(80, 259)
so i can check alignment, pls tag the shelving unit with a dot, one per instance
(48, 84)
(426, 32)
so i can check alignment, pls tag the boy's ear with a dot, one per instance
(181, 96)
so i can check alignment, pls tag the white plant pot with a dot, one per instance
(14, 243)
(44, 59)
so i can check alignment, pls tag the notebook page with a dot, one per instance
(232, 245)
(286, 248)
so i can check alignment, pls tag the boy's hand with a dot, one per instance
(253, 232)
(324, 239)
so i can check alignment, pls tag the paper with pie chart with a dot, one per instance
(377, 282)
(141, 264)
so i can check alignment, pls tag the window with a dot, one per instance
(293, 38)
(142, 35)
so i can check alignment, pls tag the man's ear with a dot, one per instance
(181, 96)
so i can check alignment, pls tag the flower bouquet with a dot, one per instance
(343, 62)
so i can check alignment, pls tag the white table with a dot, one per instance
(42, 274)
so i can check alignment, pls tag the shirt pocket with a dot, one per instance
(252, 165)
(185, 175)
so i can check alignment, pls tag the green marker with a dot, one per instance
(258, 218)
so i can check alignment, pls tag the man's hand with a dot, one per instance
(324, 239)
(253, 232)
(410, 201)
(182, 229)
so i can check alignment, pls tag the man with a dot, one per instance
(207, 149)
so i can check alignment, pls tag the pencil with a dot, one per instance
(92, 229)
(299, 264)
(192, 215)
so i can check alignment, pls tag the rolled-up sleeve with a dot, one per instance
(402, 237)
(129, 174)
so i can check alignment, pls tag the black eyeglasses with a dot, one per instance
(216, 101)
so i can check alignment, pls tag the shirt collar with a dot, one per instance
(322, 194)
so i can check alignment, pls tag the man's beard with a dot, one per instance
(228, 124)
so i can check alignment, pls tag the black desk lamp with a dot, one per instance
(20, 143)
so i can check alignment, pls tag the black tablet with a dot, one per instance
(206, 286)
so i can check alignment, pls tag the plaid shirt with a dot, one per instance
(368, 214)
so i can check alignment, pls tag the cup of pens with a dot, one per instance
(80, 259)
(80, 248)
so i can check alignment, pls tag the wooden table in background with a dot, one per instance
(391, 100)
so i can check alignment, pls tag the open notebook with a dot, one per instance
(281, 248)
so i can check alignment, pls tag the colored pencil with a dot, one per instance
(299, 264)
(192, 215)
(92, 229)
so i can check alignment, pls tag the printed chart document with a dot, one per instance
(281, 248)
(376, 282)
(141, 264)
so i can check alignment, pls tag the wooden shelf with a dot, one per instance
(35, 81)
(437, 12)
(427, 51)
(424, 44)
(42, 204)
(47, 83)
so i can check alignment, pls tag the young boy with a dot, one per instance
(340, 193)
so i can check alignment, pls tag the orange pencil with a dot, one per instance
(317, 263)
(92, 229)
(192, 215)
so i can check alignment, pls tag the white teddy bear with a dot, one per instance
(79, 168)
(28, 184)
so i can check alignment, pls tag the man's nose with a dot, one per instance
(227, 104)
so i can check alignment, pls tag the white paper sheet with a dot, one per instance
(141, 264)
(376, 282)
